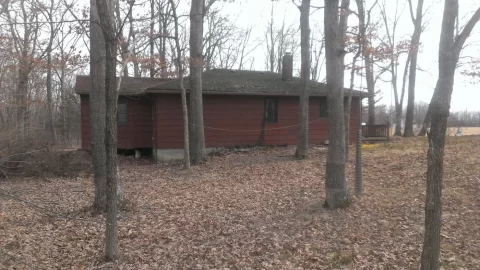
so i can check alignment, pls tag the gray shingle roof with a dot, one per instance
(218, 81)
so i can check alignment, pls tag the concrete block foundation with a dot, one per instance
(162, 155)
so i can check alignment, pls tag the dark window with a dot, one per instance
(271, 110)
(122, 112)
(323, 108)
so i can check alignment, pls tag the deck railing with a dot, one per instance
(375, 131)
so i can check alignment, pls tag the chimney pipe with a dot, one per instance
(287, 67)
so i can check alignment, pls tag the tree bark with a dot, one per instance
(50, 117)
(302, 140)
(342, 29)
(107, 21)
(198, 152)
(152, 47)
(426, 121)
(337, 195)
(186, 143)
(97, 108)
(368, 62)
(399, 107)
(440, 110)
(449, 51)
(414, 46)
(358, 156)
(370, 88)
(22, 96)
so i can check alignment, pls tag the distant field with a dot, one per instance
(465, 131)
(453, 131)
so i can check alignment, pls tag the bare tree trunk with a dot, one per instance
(302, 140)
(337, 195)
(440, 110)
(426, 121)
(152, 47)
(449, 51)
(186, 144)
(370, 88)
(132, 35)
(97, 108)
(358, 154)
(342, 29)
(272, 42)
(22, 89)
(399, 108)
(198, 152)
(414, 46)
(107, 21)
(50, 118)
(163, 28)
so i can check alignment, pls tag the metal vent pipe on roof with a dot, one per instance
(287, 67)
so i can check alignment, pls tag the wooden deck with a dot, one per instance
(375, 133)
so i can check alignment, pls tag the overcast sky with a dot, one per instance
(466, 94)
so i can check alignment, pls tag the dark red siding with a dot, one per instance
(228, 120)
(136, 133)
(237, 120)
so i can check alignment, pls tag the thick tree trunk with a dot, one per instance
(107, 20)
(414, 46)
(197, 147)
(302, 140)
(449, 51)
(337, 195)
(97, 108)
(398, 120)
(426, 121)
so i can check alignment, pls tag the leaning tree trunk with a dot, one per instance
(97, 108)
(302, 140)
(337, 195)
(107, 21)
(449, 51)
(426, 120)
(414, 46)
(196, 67)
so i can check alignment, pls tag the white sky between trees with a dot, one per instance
(466, 95)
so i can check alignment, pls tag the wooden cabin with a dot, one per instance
(240, 108)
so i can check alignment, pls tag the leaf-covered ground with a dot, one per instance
(252, 209)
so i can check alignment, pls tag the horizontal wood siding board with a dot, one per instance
(237, 120)
(138, 131)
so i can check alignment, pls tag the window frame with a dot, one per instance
(275, 110)
(122, 101)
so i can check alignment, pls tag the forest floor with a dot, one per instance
(251, 209)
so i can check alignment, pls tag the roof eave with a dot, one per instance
(151, 91)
